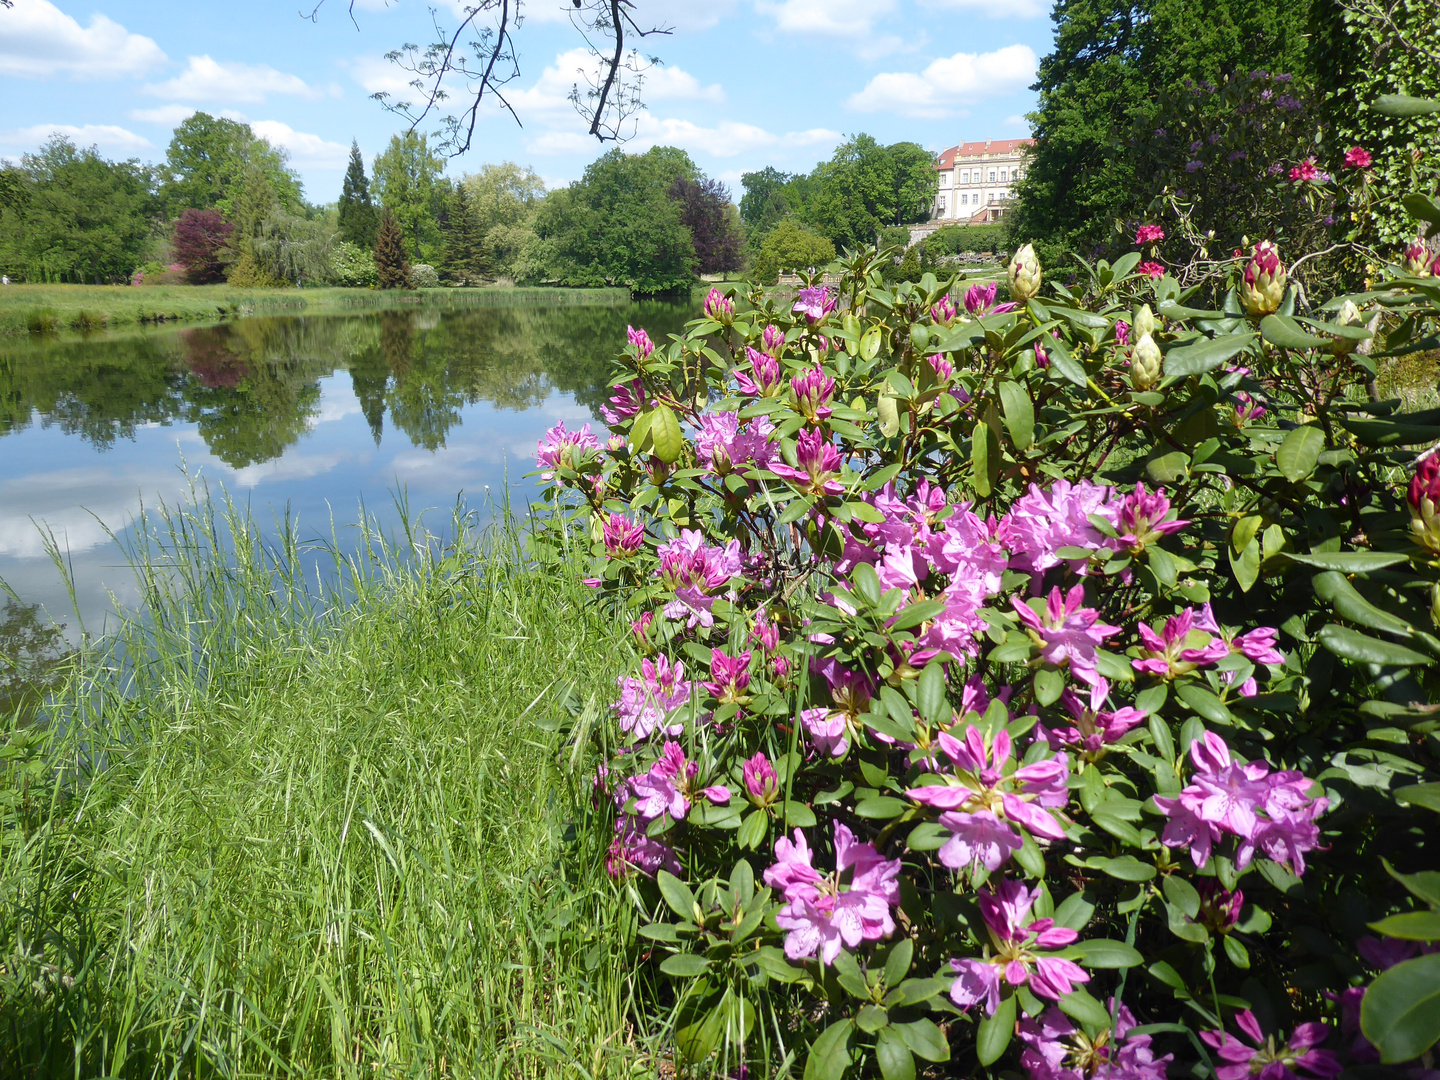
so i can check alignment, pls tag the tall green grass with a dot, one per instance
(323, 821)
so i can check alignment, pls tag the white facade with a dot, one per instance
(977, 179)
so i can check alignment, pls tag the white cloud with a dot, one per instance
(834, 18)
(169, 115)
(1016, 121)
(677, 84)
(949, 84)
(305, 149)
(726, 139)
(207, 79)
(39, 41)
(376, 75)
(104, 136)
(1011, 9)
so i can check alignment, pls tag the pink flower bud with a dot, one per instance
(1357, 157)
(760, 780)
(979, 298)
(641, 340)
(944, 312)
(622, 537)
(1425, 503)
(773, 341)
(1417, 260)
(718, 306)
(813, 393)
(1263, 285)
(942, 365)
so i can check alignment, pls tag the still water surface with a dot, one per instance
(312, 414)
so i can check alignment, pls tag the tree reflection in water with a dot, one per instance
(252, 387)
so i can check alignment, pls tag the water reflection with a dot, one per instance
(301, 413)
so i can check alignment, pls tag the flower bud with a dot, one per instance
(1144, 325)
(1263, 286)
(1349, 316)
(1145, 364)
(1425, 503)
(719, 307)
(1024, 275)
(1416, 259)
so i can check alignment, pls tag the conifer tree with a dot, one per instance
(463, 261)
(357, 217)
(392, 265)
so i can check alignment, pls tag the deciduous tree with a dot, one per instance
(706, 210)
(408, 182)
(199, 243)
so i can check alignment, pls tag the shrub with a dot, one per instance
(423, 276)
(790, 247)
(1005, 679)
(42, 320)
(958, 239)
(352, 267)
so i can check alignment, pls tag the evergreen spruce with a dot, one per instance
(358, 219)
(462, 262)
(392, 265)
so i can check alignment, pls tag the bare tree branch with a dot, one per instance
(489, 61)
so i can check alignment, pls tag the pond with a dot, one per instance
(310, 415)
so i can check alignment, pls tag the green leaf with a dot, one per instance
(1080, 1005)
(888, 413)
(677, 894)
(1349, 562)
(917, 613)
(1405, 105)
(1168, 467)
(1202, 702)
(1182, 894)
(665, 434)
(894, 1057)
(1104, 953)
(1418, 206)
(881, 807)
(684, 965)
(1019, 413)
(1065, 365)
(984, 457)
(830, 1052)
(924, 1039)
(1334, 588)
(1236, 951)
(897, 964)
(871, 1018)
(1285, 332)
(1426, 795)
(1411, 925)
(993, 1033)
(1425, 885)
(1400, 1013)
(1075, 911)
(1049, 685)
(930, 694)
(1352, 645)
(1300, 452)
(753, 830)
(1206, 355)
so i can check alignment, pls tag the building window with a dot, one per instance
(965, 177)
(1015, 175)
(944, 179)
(942, 204)
(992, 176)
(1002, 174)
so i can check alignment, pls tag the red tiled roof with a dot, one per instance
(947, 158)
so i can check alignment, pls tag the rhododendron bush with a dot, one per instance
(1024, 686)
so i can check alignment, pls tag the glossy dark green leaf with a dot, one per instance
(871, 1018)
(1206, 355)
(1349, 562)
(1104, 953)
(1335, 588)
(684, 965)
(924, 1039)
(1300, 452)
(897, 964)
(1081, 1005)
(917, 613)
(1019, 413)
(677, 894)
(881, 807)
(893, 1056)
(1285, 332)
(830, 1052)
(1426, 795)
(1411, 926)
(992, 1034)
(1352, 645)
(1400, 1013)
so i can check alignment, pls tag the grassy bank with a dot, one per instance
(58, 308)
(320, 836)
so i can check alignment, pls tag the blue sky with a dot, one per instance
(745, 83)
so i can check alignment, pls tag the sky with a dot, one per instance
(743, 83)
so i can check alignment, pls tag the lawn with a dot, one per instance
(52, 308)
(306, 832)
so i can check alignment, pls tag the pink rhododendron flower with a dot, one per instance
(1306, 170)
(979, 838)
(761, 782)
(1042, 522)
(1042, 358)
(819, 465)
(1151, 269)
(1012, 955)
(813, 393)
(563, 449)
(718, 306)
(765, 633)
(628, 399)
(1055, 1049)
(1271, 812)
(1357, 157)
(764, 377)
(772, 340)
(815, 303)
(1094, 729)
(1219, 907)
(1122, 333)
(1180, 648)
(641, 340)
(1149, 234)
(633, 851)
(944, 312)
(979, 298)
(1247, 409)
(848, 907)
(1142, 518)
(696, 570)
(725, 445)
(1067, 631)
(986, 779)
(668, 787)
(1269, 1057)
(640, 628)
(622, 537)
(730, 677)
(645, 702)
(942, 365)
(828, 732)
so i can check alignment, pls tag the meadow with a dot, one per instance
(53, 308)
(319, 818)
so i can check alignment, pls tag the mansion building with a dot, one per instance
(976, 180)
